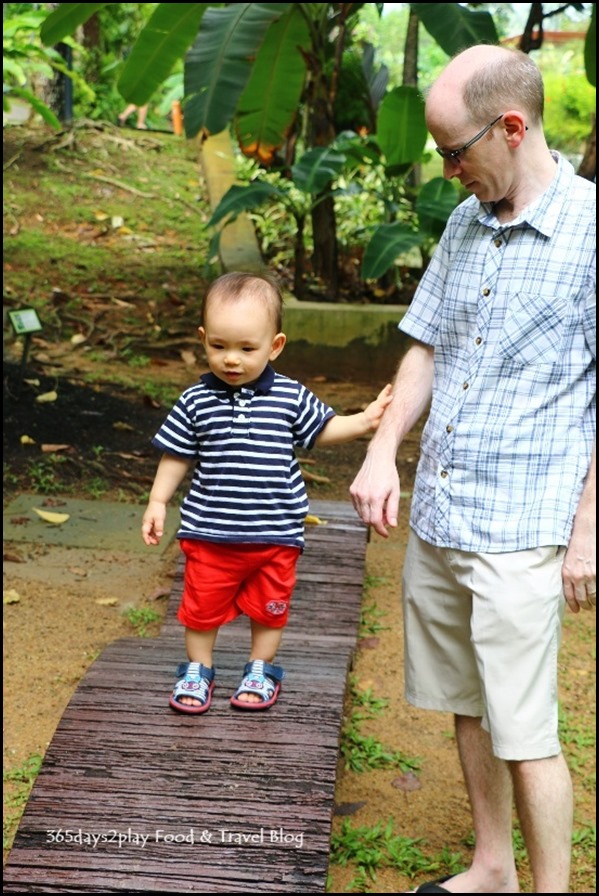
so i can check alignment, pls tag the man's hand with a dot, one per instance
(375, 495)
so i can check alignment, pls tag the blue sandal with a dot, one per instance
(196, 681)
(259, 678)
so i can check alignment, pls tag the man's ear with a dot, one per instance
(278, 344)
(515, 127)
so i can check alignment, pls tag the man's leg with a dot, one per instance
(489, 788)
(545, 805)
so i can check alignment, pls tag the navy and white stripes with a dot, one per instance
(247, 484)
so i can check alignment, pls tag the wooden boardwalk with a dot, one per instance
(133, 796)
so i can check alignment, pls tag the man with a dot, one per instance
(502, 525)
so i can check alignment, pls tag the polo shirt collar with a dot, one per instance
(261, 386)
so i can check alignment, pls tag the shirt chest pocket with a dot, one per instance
(533, 329)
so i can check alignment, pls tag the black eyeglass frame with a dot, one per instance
(452, 155)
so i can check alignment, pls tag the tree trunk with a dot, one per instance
(324, 234)
(324, 223)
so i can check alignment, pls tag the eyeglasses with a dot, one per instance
(452, 155)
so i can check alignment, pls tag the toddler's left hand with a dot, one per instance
(375, 410)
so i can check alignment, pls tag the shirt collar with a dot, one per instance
(543, 214)
(260, 386)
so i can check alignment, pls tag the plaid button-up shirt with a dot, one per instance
(510, 312)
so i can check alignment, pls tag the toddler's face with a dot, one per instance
(240, 340)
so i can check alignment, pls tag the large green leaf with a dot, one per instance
(245, 198)
(401, 128)
(65, 20)
(436, 201)
(590, 50)
(388, 241)
(269, 104)
(37, 105)
(166, 37)
(454, 27)
(316, 169)
(218, 66)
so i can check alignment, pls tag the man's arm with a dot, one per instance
(579, 571)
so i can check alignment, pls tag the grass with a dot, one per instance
(17, 787)
(141, 618)
(370, 849)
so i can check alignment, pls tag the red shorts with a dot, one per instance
(224, 580)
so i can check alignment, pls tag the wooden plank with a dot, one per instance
(133, 796)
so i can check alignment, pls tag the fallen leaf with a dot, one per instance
(27, 440)
(407, 782)
(9, 557)
(368, 643)
(46, 397)
(160, 592)
(189, 358)
(107, 601)
(313, 477)
(348, 808)
(56, 518)
(313, 520)
(78, 338)
(47, 449)
(11, 597)
(31, 382)
(118, 424)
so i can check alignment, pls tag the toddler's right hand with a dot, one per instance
(152, 528)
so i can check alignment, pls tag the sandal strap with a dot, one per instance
(256, 668)
(260, 678)
(196, 674)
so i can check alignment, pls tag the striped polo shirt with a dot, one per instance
(510, 311)
(247, 485)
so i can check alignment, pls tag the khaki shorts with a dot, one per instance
(482, 634)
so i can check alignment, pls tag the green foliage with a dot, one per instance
(370, 849)
(140, 618)
(17, 787)
(365, 752)
(25, 61)
(569, 110)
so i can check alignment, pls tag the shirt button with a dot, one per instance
(498, 243)
(449, 428)
(478, 340)
(444, 474)
(241, 417)
(236, 394)
(465, 385)
(486, 292)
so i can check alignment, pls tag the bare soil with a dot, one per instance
(65, 605)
